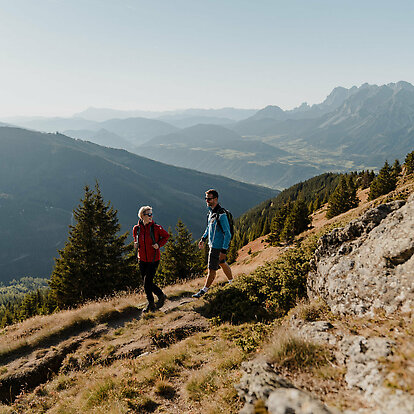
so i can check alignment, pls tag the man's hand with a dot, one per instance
(201, 244)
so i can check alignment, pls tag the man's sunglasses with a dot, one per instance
(148, 214)
(209, 198)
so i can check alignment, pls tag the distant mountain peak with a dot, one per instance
(270, 111)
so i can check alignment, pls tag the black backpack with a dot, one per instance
(229, 218)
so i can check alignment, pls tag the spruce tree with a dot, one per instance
(278, 223)
(366, 178)
(409, 163)
(181, 258)
(343, 198)
(353, 199)
(396, 169)
(296, 222)
(383, 183)
(95, 260)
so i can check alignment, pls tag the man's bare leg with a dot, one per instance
(210, 277)
(227, 270)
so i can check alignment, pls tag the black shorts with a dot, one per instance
(214, 259)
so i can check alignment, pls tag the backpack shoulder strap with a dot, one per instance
(152, 233)
(220, 211)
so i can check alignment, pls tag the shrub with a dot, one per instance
(232, 304)
(269, 292)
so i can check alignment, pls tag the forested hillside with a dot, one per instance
(42, 177)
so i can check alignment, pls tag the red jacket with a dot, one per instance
(145, 250)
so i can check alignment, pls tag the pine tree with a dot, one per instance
(343, 198)
(396, 168)
(383, 183)
(296, 222)
(278, 222)
(181, 258)
(366, 178)
(95, 261)
(353, 199)
(409, 163)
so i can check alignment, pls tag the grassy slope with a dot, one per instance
(177, 360)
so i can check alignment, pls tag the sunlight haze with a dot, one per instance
(61, 57)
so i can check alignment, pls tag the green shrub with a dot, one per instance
(232, 304)
(269, 292)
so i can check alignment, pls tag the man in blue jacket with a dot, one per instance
(219, 236)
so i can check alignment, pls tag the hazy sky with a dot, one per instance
(62, 56)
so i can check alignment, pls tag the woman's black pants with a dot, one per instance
(148, 270)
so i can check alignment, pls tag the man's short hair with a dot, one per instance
(213, 193)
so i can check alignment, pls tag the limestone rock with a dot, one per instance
(287, 401)
(368, 264)
(258, 381)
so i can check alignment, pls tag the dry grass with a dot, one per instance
(196, 375)
(311, 311)
(288, 351)
(33, 331)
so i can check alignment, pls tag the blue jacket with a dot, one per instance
(217, 238)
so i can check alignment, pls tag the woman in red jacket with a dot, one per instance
(148, 238)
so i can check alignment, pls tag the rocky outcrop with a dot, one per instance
(369, 264)
(260, 382)
(363, 268)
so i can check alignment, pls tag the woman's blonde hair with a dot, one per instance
(142, 210)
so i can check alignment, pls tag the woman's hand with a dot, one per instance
(155, 246)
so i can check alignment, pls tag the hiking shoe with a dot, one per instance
(149, 308)
(200, 293)
(161, 301)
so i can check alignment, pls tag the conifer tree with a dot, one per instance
(297, 220)
(278, 222)
(366, 178)
(343, 198)
(383, 183)
(353, 199)
(181, 258)
(396, 168)
(409, 163)
(95, 261)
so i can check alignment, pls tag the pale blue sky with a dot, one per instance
(58, 57)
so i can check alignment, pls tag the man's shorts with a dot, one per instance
(214, 259)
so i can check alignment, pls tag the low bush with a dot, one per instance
(269, 292)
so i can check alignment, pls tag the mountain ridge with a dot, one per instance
(42, 178)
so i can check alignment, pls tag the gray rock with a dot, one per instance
(369, 264)
(362, 356)
(293, 401)
(258, 381)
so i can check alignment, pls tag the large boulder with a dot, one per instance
(369, 264)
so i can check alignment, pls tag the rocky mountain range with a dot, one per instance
(353, 129)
